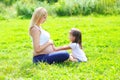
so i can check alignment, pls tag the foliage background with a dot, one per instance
(25, 8)
(99, 21)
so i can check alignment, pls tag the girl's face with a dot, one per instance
(71, 37)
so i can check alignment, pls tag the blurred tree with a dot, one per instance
(8, 2)
(49, 1)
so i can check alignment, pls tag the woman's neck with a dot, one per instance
(38, 25)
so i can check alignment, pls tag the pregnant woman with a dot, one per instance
(43, 46)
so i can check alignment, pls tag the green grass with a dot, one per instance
(101, 42)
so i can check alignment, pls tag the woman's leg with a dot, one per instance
(39, 58)
(56, 57)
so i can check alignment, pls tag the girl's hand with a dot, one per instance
(50, 42)
(54, 48)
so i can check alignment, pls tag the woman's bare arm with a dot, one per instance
(35, 33)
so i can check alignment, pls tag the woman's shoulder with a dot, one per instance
(34, 30)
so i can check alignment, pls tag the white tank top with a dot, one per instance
(44, 36)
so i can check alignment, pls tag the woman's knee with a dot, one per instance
(66, 55)
(60, 56)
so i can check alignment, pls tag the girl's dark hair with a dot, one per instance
(78, 36)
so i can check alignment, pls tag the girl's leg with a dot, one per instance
(71, 58)
(56, 57)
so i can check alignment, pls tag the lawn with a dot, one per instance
(101, 43)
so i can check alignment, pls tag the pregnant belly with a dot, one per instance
(47, 50)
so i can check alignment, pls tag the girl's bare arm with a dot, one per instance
(61, 48)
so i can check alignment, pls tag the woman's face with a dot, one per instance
(43, 19)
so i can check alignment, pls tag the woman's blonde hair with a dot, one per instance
(37, 15)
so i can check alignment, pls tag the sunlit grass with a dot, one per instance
(101, 44)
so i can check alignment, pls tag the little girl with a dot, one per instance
(76, 46)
